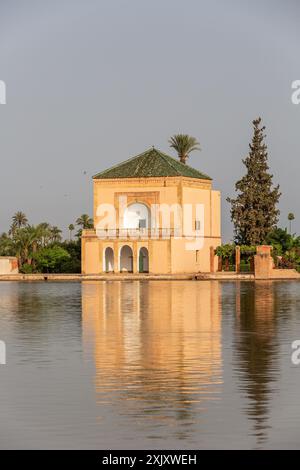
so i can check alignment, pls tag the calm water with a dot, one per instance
(149, 365)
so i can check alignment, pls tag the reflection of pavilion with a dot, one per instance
(157, 345)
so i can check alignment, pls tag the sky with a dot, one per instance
(92, 82)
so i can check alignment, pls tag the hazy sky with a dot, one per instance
(92, 82)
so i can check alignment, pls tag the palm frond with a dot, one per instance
(184, 144)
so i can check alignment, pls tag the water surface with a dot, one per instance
(159, 364)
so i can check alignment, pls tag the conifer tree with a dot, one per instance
(254, 212)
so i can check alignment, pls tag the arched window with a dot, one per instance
(126, 259)
(143, 260)
(109, 260)
(137, 216)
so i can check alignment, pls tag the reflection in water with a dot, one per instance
(157, 349)
(34, 312)
(256, 349)
(177, 364)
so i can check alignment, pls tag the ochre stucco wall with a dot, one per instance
(90, 257)
(165, 255)
(8, 265)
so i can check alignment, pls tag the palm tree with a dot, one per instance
(19, 220)
(85, 221)
(12, 230)
(44, 233)
(71, 228)
(55, 234)
(184, 144)
(291, 217)
(6, 245)
(25, 240)
(35, 237)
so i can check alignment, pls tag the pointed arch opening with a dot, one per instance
(126, 259)
(109, 260)
(143, 260)
(137, 217)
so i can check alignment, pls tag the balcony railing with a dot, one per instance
(142, 233)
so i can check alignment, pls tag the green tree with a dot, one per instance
(286, 248)
(291, 217)
(71, 229)
(280, 240)
(12, 230)
(24, 240)
(50, 259)
(44, 233)
(55, 234)
(27, 241)
(19, 219)
(73, 264)
(85, 221)
(7, 247)
(253, 211)
(184, 144)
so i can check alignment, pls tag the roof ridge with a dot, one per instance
(184, 165)
(166, 157)
(122, 163)
(151, 162)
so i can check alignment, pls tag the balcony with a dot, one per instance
(138, 233)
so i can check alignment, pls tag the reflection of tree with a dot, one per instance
(43, 310)
(43, 324)
(157, 348)
(256, 348)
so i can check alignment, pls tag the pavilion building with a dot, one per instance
(153, 214)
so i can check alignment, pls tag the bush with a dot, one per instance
(225, 251)
(71, 266)
(51, 259)
(285, 263)
(27, 268)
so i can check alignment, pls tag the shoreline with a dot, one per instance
(219, 276)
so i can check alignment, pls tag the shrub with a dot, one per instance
(51, 259)
(27, 268)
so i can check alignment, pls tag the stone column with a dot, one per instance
(212, 259)
(101, 255)
(220, 261)
(116, 257)
(150, 254)
(135, 257)
(263, 262)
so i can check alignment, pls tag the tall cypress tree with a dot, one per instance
(254, 212)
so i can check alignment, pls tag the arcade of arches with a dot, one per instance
(125, 261)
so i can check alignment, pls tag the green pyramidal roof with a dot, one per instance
(151, 163)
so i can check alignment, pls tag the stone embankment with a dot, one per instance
(94, 277)
(276, 274)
